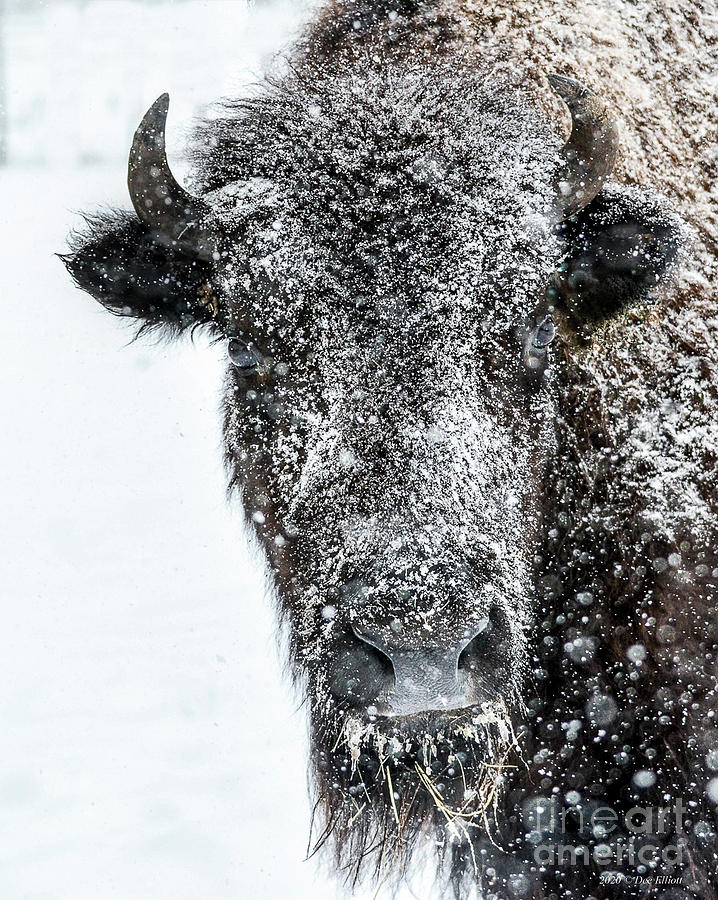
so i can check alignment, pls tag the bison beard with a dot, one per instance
(384, 785)
(442, 399)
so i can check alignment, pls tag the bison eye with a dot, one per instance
(243, 355)
(536, 344)
(544, 333)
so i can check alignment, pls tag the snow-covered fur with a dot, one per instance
(387, 254)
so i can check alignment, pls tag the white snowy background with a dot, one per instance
(149, 745)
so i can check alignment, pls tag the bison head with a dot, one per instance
(395, 265)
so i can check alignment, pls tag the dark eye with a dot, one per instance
(544, 333)
(244, 355)
(536, 342)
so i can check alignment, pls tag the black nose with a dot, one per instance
(426, 677)
(395, 672)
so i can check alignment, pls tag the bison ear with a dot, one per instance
(618, 248)
(135, 271)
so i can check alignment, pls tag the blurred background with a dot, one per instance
(150, 748)
(76, 75)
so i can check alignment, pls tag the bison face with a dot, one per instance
(383, 259)
(388, 417)
(390, 441)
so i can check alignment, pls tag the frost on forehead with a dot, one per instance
(431, 185)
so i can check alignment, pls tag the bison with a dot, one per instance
(471, 411)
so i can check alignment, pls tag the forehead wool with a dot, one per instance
(425, 192)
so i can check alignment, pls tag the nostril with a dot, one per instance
(361, 673)
(485, 650)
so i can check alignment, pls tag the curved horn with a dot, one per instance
(590, 152)
(159, 201)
